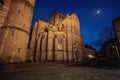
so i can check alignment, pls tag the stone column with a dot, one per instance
(64, 51)
(50, 46)
(44, 48)
(17, 24)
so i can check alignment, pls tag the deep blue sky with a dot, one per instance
(91, 23)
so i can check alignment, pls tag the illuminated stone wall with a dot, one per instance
(4, 8)
(15, 29)
(57, 40)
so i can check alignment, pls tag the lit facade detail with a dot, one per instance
(62, 40)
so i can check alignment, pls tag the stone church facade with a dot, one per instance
(15, 22)
(57, 40)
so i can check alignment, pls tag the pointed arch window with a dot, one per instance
(60, 44)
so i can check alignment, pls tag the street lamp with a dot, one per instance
(91, 56)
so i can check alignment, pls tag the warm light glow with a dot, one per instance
(59, 46)
(91, 56)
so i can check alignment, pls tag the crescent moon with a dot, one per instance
(98, 12)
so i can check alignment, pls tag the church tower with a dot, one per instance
(15, 32)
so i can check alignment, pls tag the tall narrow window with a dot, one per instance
(1, 4)
(64, 36)
(12, 33)
(19, 11)
(60, 46)
(19, 50)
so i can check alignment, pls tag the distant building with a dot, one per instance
(15, 22)
(116, 25)
(57, 40)
(109, 50)
(89, 52)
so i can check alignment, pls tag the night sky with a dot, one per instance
(94, 15)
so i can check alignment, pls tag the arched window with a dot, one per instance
(64, 36)
(60, 44)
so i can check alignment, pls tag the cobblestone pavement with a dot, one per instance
(61, 72)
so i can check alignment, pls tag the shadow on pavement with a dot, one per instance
(106, 66)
